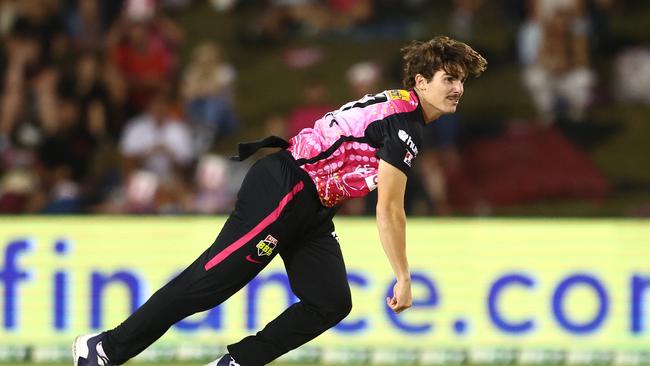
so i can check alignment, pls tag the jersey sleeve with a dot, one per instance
(397, 143)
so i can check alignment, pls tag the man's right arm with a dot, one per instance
(391, 223)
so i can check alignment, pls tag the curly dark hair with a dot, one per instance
(440, 53)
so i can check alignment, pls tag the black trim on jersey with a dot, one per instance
(330, 150)
(376, 98)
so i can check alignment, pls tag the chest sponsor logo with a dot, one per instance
(266, 246)
(406, 138)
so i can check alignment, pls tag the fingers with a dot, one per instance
(395, 305)
(398, 309)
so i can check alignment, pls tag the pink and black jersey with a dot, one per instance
(341, 152)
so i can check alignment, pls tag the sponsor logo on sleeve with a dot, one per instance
(408, 158)
(398, 94)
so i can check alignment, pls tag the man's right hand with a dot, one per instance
(402, 298)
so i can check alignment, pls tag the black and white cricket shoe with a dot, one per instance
(225, 360)
(87, 350)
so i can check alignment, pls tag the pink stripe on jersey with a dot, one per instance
(268, 220)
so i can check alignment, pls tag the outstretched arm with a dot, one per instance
(391, 222)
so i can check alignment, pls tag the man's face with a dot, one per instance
(443, 92)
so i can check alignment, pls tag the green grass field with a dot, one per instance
(162, 364)
(140, 363)
(143, 364)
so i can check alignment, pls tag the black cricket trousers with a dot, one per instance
(277, 212)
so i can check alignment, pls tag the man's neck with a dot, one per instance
(430, 112)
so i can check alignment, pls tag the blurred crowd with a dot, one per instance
(98, 113)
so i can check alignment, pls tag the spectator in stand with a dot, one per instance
(160, 145)
(363, 78)
(100, 121)
(86, 85)
(207, 93)
(142, 46)
(65, 155)
(85, 25)
(35, 44)
(314, 106)
(213, 194)
(555, 53)
(157, 141)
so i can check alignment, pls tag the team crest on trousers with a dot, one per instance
(266, 246)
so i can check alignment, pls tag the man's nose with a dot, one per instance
(457, 87)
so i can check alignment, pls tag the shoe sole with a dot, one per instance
(75, 357)
(74, 351)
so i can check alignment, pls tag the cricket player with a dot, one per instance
(285, 207)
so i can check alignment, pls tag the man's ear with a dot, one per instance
(420, 80)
